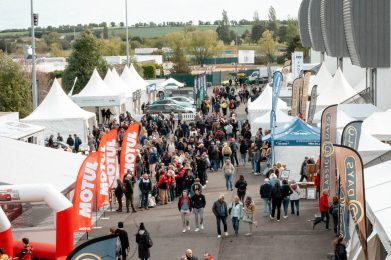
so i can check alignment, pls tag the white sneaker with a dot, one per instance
(202, 226)
(188, 227)
(184, 230)
(206, 181)
(285, 216)
(226, 234)
(196, 230)
(219, 236)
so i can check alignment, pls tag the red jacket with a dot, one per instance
(163, 179)
(180, 202)
(324, 203)
(180, 174)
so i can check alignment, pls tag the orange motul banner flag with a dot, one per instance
(351, 176)
(85, 188)
(129, 149)
(108, 167)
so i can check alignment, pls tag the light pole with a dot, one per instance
(127, 33)
(33, 72)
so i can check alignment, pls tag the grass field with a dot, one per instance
(143, 32)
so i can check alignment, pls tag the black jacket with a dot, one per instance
(143, 245)
(217, 209)
(198, 201)
(123, 237)
(265, 190)
(286, 190)
(241, 186)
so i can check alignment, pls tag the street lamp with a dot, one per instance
(127, 33)
(34, 22)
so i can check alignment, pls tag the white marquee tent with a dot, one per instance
(378, 209)
(264, 121)
(41, 165)
(112, 83)
(171, 84)
(379, 125)
(97, 94)
(58, 114)
(337, 91)
(263, 104)
(131, 77)
(355, 111)
(322, 79)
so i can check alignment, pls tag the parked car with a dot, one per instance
(165, 109)
(182, 101)
(171, 102)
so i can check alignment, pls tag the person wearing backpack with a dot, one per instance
(339, 249)
(226, 152)
(276, 198)
(241, 185)
(144, 242)
(333, 210)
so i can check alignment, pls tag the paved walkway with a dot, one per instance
(291, 238)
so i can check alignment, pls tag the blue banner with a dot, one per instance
(277, 83)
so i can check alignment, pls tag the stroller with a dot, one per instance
(154, 197)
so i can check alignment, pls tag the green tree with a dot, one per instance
(15, 93)
(111, 47)
(272, 23)
(105, 32)
(203, 44)
(55, 50)
(282, 33)
(85, 57)
(223, 30)
(292, 30)
(256, 31)
(149, 71)
(180, 62)
(268, 45)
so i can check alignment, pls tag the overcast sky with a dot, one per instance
(16, 13)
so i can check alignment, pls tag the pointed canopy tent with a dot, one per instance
(58, 114)
(337, 91)
(112, 83)
(264, 121)
(361, 86)
(322, 79)
(263, 104)
(97, 94)
(298, 139)
(377, 188)
(131, 77)
(171, 84)
(127, 89)
(379, 125)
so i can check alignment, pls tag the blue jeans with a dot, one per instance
(228, 181)
(285, 203)
(295, 203)
(243, 157)
(144, 199)
(215, 164)
(171, 193)
(235, 224)
(222, 219)
(267, 208)
(256, 166)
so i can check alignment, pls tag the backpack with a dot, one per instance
(334, 210)
(242, 187)
(276, 192)
(340, 252)
(227, 151)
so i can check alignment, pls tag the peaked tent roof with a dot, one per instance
(57, 105)
(323, 77)
(131, 78)
(298, 133)
(264, 101)
(125, 87)
(170, 82)
(362, 85)
(112, 83)
(264, 121)
(95, 87)
(379, 125)
(338, 90)
(350, 112)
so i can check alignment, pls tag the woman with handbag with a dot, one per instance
(236, 212)
(249, 214)
(144, 242)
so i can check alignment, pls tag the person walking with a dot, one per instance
(243, 149)
(198, 203)
(189, 255)
(241, 186)
(257, 155)
(163, 187)
(128, 185)
(334, 210)
(265, 191)
(226, 152)
(124, 239)
(228, 170)
(144, 242)
(145, 186)
(286, 192)
(249, 214)
(119, 193)
(220, 210)
(295, 198)
(236, 212)
(276, 198)
(324, 210)
(184, 207)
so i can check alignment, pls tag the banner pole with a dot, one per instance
(96, 213)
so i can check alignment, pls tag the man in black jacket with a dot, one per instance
(221, 212)
(123, 237)
(128, 183)
(265, 191)
(198, 203)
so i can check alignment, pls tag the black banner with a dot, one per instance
(106, 247)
